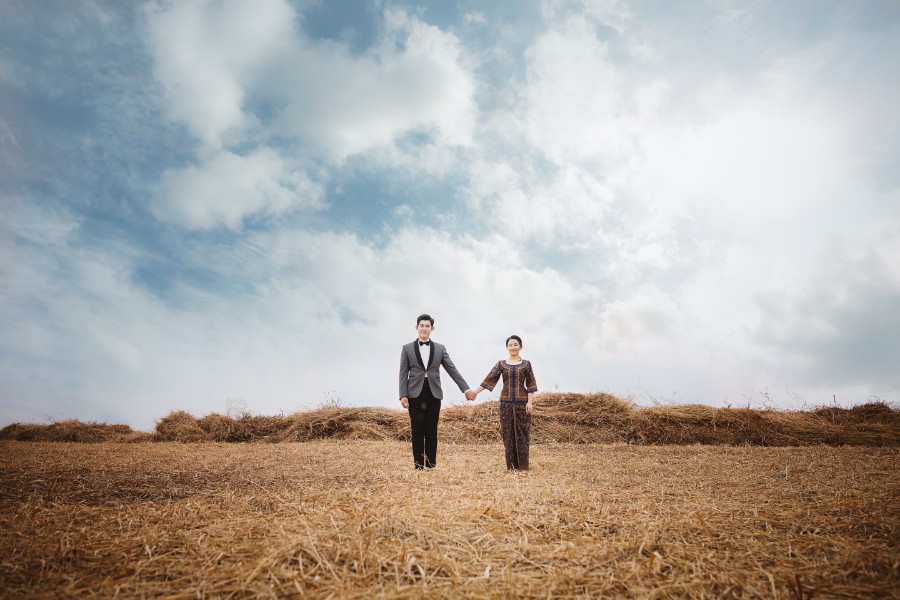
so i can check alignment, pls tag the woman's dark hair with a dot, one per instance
(517, 338)
(424, 318)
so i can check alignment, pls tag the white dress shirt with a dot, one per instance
(425, 351)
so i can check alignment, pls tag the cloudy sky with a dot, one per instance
(204, 200)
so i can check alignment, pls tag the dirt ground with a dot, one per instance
(353, 519)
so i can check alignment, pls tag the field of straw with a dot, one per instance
(559, 418)
(351, 518)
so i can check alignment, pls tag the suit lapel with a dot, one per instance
(419, 354)
(431, 354)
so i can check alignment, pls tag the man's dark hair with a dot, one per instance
(424, 318)
(517, 338)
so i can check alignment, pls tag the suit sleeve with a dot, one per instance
(447, 362)
(404, 373)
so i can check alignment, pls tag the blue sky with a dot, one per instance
(687, 202)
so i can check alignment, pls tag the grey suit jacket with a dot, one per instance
(413, 372)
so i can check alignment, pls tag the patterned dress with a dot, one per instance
(515, 422)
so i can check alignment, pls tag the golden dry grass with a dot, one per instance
(351, 518)
(559, 418)
(72, 430)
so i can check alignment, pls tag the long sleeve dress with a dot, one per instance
(515, 422)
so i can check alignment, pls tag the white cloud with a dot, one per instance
(576, 103)
(120, 351)
(680, 206)
(615, 14)
(209, 55)
(228, 188)
(562, 209)
(403, 212)
(659, 213)
(206, 51)
(474, 17)
(646, 316)
(9, 72)
(838, 323)
(309, 304)
(411, 96)
(581, 111)
(54, 310)
(414, 81)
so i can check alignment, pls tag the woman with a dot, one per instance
(516, 402)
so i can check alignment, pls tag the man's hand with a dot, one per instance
(404, 401)
(471, 395)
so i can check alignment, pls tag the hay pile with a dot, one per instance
(582, 419)
(324, 423)
(866, 425)
(558, 418)
(346, 424)
(246, 428)
(567, 418)
(179, 426)
(72, 430)
(353, 519)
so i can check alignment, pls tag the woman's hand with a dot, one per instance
(529, 407)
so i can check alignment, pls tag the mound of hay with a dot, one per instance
(865, 425)
(699, 424)
(246, 428)
(558, 418)
(346, 423)
(580, 418)
(72, 430)
(179, 426)
(467, 423)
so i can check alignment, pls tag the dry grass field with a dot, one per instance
(351, 518)
(558, 418)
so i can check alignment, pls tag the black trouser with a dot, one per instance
(424, 412)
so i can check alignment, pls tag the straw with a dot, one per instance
(352, 519)
(558, 418)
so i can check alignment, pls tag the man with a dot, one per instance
(420, 389)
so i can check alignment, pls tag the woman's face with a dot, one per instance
(513, 346)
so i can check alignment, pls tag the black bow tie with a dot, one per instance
(421, 343)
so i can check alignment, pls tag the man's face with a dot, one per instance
(424, 329)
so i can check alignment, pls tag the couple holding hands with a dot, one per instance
(421, 393)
